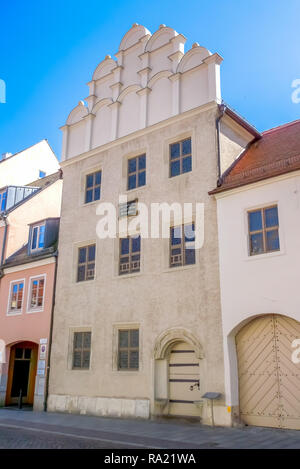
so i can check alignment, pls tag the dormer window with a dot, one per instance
(38, 237)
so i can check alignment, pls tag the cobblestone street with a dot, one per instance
(33, 430)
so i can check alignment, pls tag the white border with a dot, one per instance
(8, 311)
(30, 280)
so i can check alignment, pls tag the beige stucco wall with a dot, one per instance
(158, 298)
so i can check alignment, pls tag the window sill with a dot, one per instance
(85, 282)
(134, 274)
(136, 189)
(125, 372)
(13, 313)
(180, 268)
(90, 204)
(265, 255)
(32, 311)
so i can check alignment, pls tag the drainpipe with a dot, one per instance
(4, 218)
(222, 109)
(50, 336)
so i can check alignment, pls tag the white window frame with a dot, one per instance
(12, 312)
(38, 236)
(31, 280)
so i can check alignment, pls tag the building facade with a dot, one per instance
(259, 251)
(137, 324)
(29, 233)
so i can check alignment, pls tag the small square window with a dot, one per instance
(136, 172)
(37, 237)
(81, 350)
(93, 187)
(181, 157)
(128, 350)
(263, 230)
(86, 263)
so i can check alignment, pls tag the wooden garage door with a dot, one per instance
(269, 381)
(183, 373)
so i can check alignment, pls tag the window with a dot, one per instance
(42, 174)
(130, 253)
(81, 350)
(182, 245)
(136, 172)
(86, 263)
(38, 237)
(128, 351)
(3, 196)
(36, 293)
(93, 187)
(16, 296)
(128, 209)
(263, 230)
(181, 157)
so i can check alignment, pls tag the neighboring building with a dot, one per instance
(137, 323)
(259, 251)
(26, 166)
(28, 236)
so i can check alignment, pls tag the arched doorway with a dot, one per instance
(269, 381)
(21, 373)
(178, 379)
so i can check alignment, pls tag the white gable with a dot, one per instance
(151, 80)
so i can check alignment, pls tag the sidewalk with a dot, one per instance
(158, 434)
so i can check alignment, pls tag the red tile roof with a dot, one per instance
(276, 152)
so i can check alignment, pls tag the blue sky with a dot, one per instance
(49, 50)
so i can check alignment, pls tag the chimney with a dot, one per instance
(5, 155)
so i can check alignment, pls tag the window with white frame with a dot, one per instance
(36, 294)
(16, 296)
(38, 237)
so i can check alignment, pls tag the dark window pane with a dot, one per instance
(82, 255)
(19, 353)
(77, 359)
(81, 273)
(123, 260)
(271, 217)
(92, 251)
(123, 339)
(86, 339)
(175, 150)
(134, 359)
(132, 182)
(97, 193)
(123, 359)
(89, 196)
(256, 244)
(125, 246)
(175, 168)
(97, 178)
(272, 239)
(176, 251)
(78, 337)
(136, 244)
(187, 147)
(187, 164)
(255, 221)
(86, 359)
(134, 338)
(190, 256)
(132, 165)
(90, 271)
(27, 353)
(142, 178)
(34, 237)
(189, 232)
(142, 162)
(89, 180)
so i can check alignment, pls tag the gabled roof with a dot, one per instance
(21, 256)
(276, 153)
